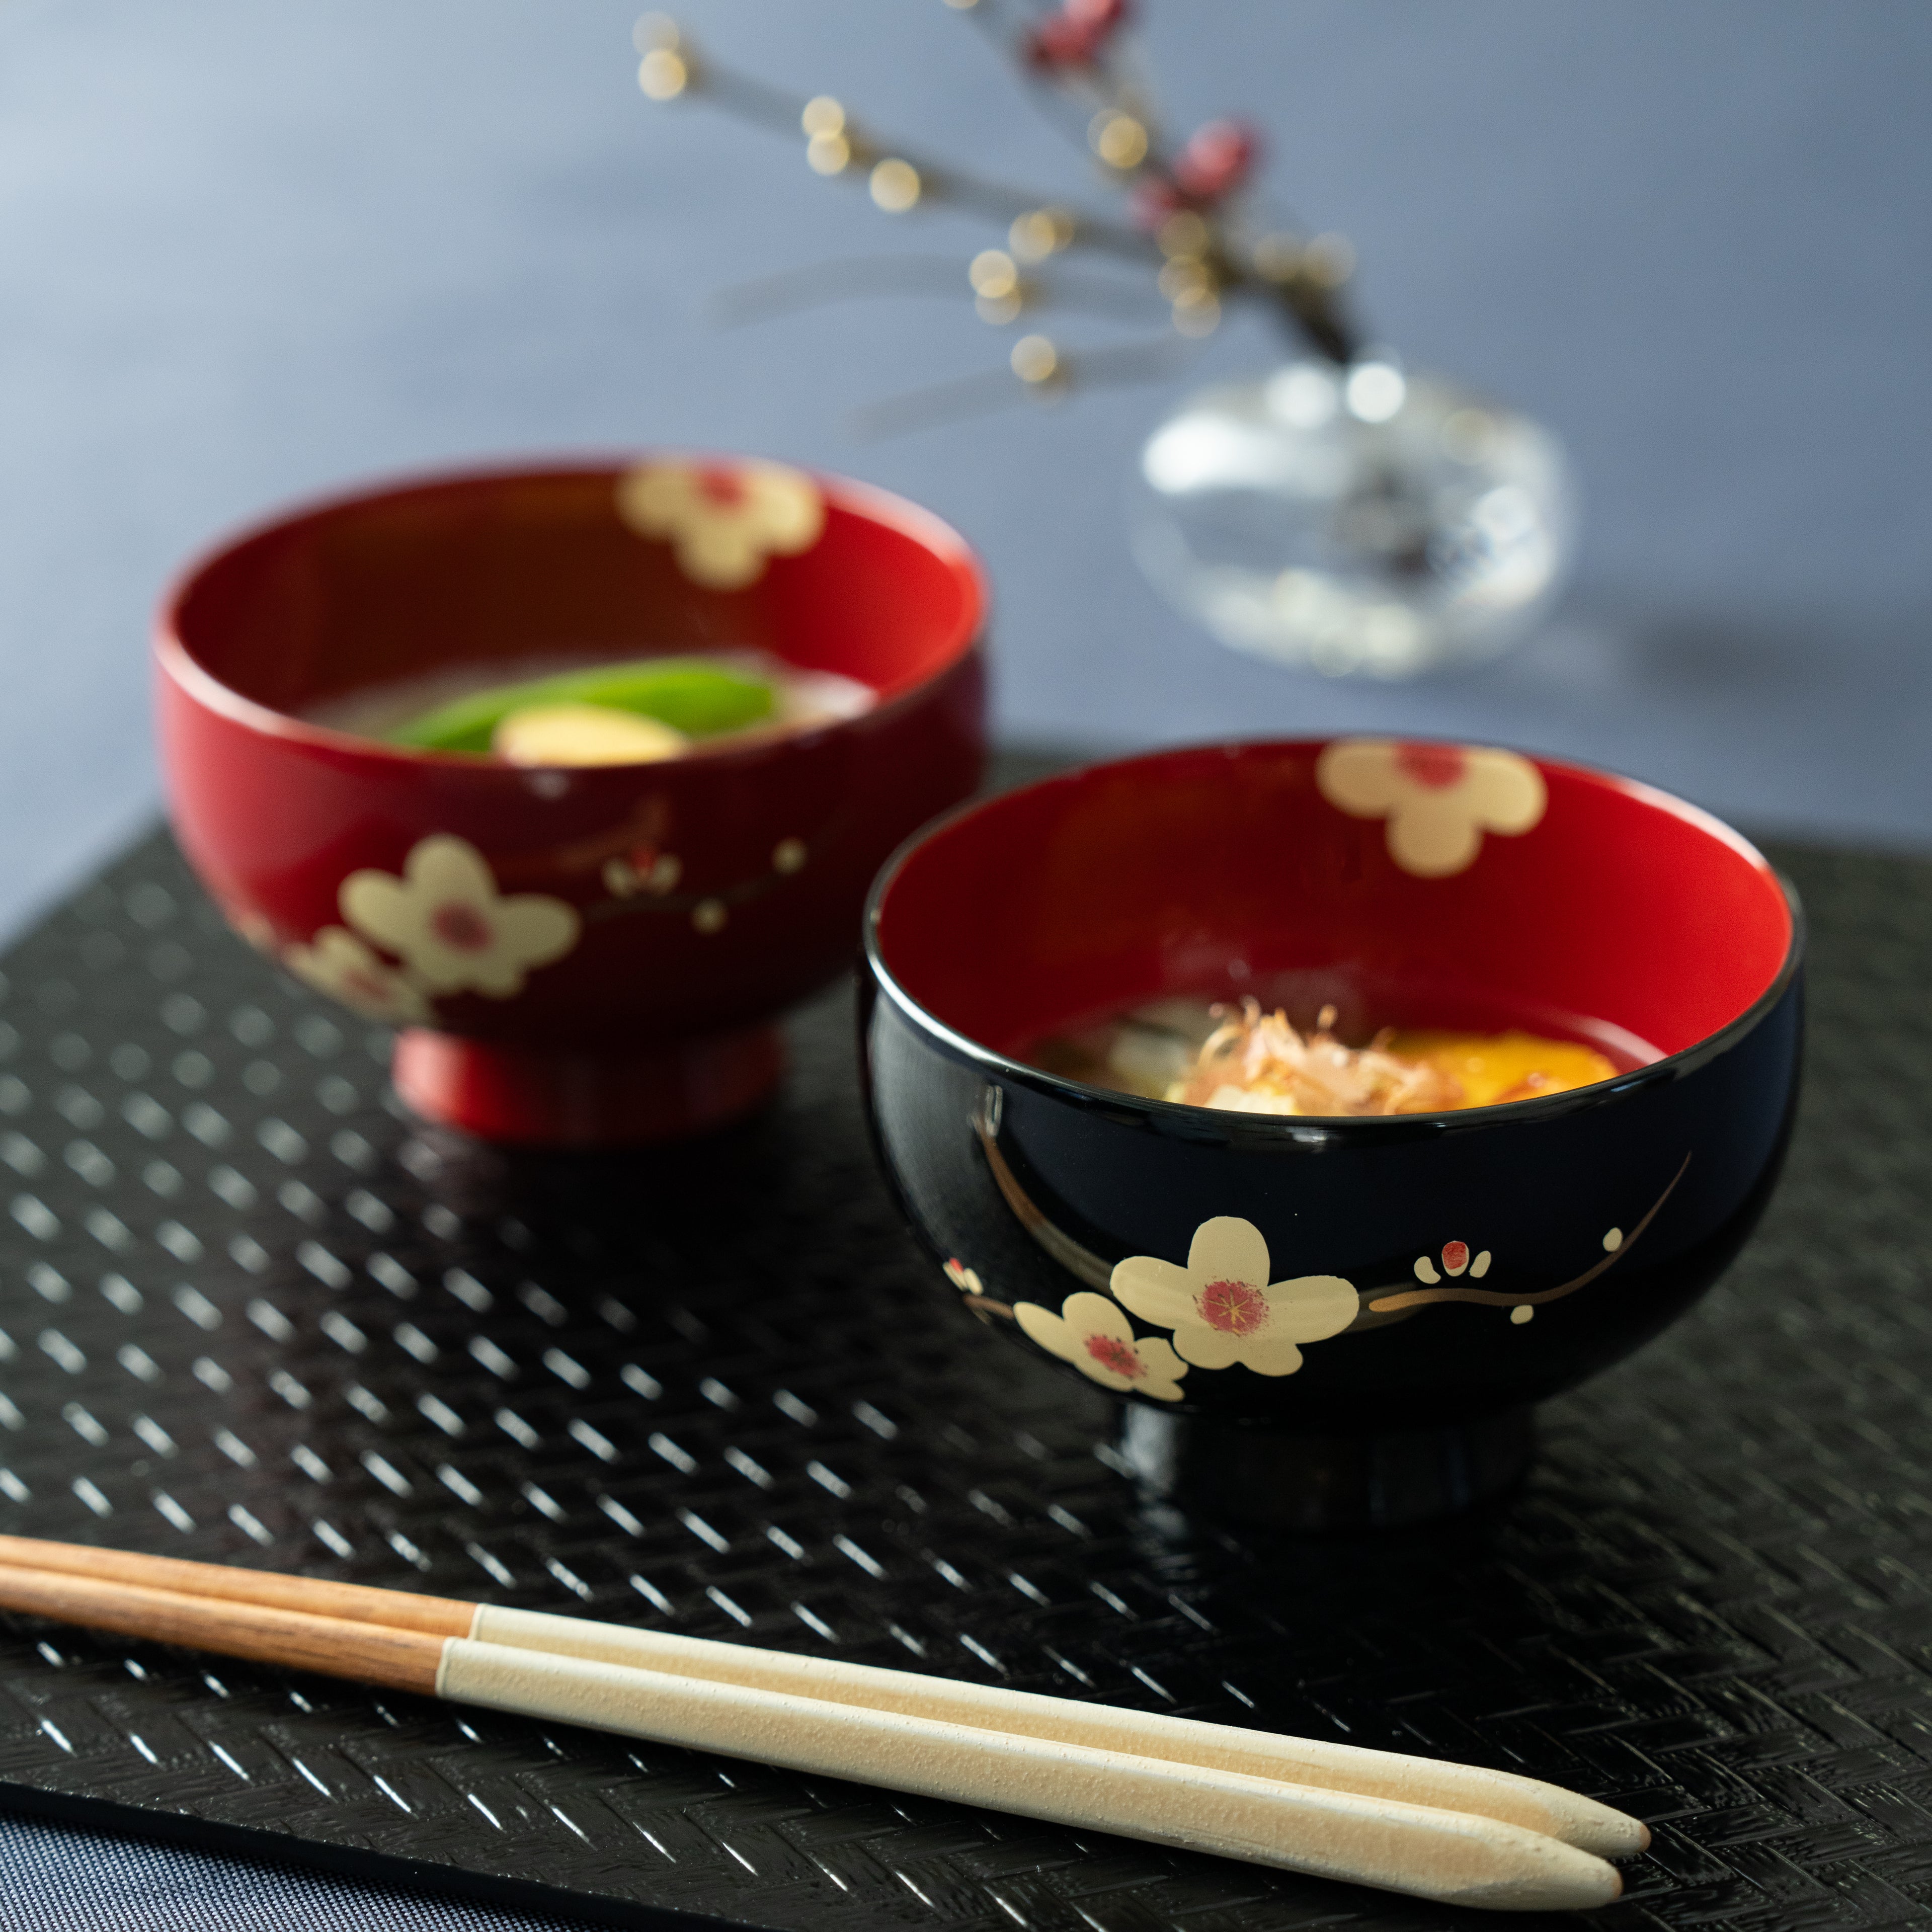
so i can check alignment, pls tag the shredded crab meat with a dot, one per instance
(1256, 1063)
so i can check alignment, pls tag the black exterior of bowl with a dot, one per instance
(1602, 1212)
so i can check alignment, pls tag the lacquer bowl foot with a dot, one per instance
(1393, 1481)
(531, 1096)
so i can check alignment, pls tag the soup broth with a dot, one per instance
(1241, 1058)
(583, 709)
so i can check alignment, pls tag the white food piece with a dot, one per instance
(583, 734)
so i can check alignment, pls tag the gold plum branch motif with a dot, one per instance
(443, 927)
(1220, 1308)
(1616, 1244)
(644, 878)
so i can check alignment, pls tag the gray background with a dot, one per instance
(251, 250)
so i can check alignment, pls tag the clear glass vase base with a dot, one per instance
(1357, 522)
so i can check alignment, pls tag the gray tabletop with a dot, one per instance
(250, 252)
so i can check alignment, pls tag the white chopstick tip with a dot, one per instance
(1568, 1880)
(1609, 1833)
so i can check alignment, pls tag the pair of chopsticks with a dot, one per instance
(1451, 1832)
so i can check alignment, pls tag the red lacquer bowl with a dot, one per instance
(585, 956)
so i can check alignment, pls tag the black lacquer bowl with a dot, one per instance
(1324, 1321)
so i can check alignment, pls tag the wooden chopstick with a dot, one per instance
(314, 1596)
(1453, 1856)
(1527, 1802)
(397, 1660)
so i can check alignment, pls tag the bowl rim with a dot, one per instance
(174, 661)
(1181, 1120)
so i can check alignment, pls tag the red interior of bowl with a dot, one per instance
(1623, 916)
(476, 568)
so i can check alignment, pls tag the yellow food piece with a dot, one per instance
(1491, 1067)
(583, 734)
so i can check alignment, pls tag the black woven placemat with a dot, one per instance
(250, 1314)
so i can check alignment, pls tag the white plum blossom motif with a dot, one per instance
(1099, 1340)
(452, 929)
(1223, 1309)
(723, 521)
(1438, 800)
(336, 963)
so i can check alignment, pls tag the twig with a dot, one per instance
(818, 283)
(767, 106)
(1186, 220)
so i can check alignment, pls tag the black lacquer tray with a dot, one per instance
(251, 1315)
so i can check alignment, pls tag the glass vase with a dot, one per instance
(1360, 521)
